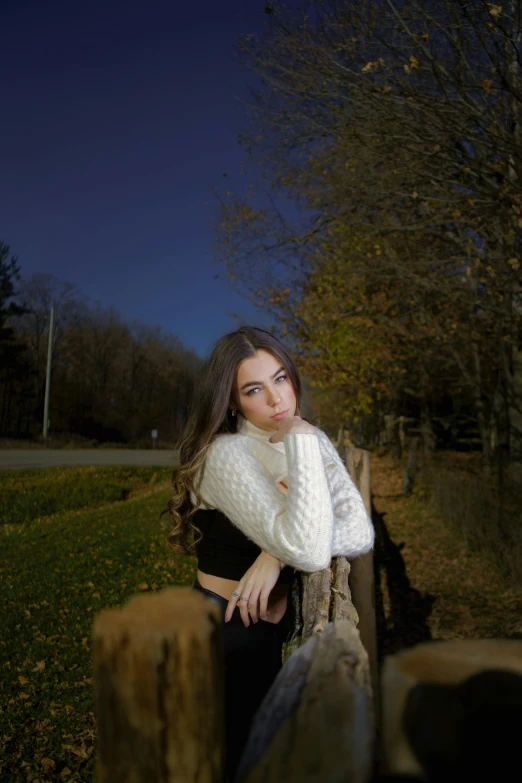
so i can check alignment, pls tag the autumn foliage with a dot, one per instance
(383, 226)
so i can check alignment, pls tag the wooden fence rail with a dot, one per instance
(324, 697)
(159, 690)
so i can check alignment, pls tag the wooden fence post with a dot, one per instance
(361, 579)
(317, 721)
(431, 709)
(159, 690)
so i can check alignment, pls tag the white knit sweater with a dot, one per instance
(321, 516)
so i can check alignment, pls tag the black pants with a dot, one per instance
(252, 660)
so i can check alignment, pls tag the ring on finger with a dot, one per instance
(243, 598)
(236, 594)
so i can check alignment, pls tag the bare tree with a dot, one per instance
(111, 380)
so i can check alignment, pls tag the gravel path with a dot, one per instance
(18, 459)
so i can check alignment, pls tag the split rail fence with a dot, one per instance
(330, 716)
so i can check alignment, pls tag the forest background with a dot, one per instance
(112, 381)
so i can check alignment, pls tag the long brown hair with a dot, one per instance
(210, 415)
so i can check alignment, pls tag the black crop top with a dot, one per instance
(224, 550)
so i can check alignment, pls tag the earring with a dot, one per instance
(233, 412)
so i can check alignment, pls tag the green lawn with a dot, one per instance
(26, 495)
(56, 574)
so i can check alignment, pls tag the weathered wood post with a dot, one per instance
(421, 721)
(361, 579)
(317, 721)
(159, 690)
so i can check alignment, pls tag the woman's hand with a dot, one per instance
(290, 425)
(254, 589)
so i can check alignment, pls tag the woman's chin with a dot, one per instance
(271, 425)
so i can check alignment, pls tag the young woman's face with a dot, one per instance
(264, 392)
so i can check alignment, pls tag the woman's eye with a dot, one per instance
(256, 388)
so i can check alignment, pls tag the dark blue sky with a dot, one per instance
(118, 117)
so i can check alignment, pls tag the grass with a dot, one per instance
(27, 495)
(56, 575)
(58, 572)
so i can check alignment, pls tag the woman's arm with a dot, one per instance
(353, 532)
(254, 589)
(296, 529)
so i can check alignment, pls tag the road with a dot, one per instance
(19, 459)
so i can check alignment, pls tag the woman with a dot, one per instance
(259, 492)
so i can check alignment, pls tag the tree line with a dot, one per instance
(382, 226)
(111, 380)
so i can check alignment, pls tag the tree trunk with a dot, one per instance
(426, 421)
(513, 246)
(480, 411)
(515, 418)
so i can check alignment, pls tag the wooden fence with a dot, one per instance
(159, 688)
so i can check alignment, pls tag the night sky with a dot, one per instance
(118, 118)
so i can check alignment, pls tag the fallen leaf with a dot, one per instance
(81, 753)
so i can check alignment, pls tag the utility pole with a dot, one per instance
(48, 376)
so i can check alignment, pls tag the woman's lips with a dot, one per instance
(279, 416)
